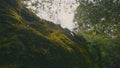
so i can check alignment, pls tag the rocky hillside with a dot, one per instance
(29, 42)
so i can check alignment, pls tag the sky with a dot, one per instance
(59, 12)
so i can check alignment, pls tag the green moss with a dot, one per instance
(29, 42)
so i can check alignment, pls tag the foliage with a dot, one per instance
(100, 15)
(99, 22)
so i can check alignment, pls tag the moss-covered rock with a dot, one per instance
(29, 42)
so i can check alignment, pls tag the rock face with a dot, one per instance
(29, 42)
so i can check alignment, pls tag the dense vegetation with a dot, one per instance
(99, 24)
(29, 42)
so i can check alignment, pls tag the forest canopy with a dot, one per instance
(99, 23)
(100, 16)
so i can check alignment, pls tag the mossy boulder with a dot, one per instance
(27, 41)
